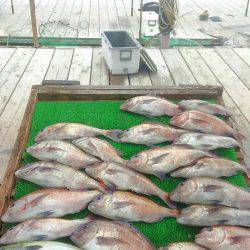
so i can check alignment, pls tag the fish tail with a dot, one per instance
(166, 198)
(114, 134)
(103, 188)
(239, 136)
(247, 171)
(174, 213)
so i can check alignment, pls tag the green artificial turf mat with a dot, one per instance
(107, 115)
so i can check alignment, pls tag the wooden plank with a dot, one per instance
(60, 65)
(11, 74)
(81, 65)
(77, 93)
(5, 55)
(112, 13)
(104, 18)
(100, 72)
(55, 17)
(74, 18)
(228, 79)
(84, 19)
(140, 79)
(118, 79)
(200, 70)
(244, 53)
(25, 27)
(133, 20)
(94, 20)
(122, 17)
(11, 117)
(178, 68)
(23, 134)
(162, 76)
(236, 64)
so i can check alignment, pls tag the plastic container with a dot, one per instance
(121, 52)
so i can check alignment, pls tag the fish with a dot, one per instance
(204, 106)
(42, 229)
(40, 245)
(224, 238)
(162, 160)
(206, 141)
(211, 191)
(63, 152)
(60, 176)
(205, 123)
(126, 206)
(212, 215)
(210, 167)
(72, 131)
(119, 177)
(112, 235)
(99, 148)
(150, 106)
(48, 203)
(182, 246)
(149, 133)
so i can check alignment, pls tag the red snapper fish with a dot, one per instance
(48, 203)
(151, 106)
(204, 106)
(42, 229)
(205, 123)
(224, 238)
(72, 131)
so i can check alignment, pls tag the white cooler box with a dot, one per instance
(121, 52)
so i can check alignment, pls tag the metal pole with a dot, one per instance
(132, 8)
(12, 7)
(247, 8)
(33, 22)
(140, 31)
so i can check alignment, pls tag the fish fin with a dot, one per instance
(212, 188)
(34, 247)
(47, 213)
(154, 219)
(102, 187)
(47, 169)
(114, 134)
(112, 187)
(222, 222)
(148, 131)
(36, 200)
(113, 171)
(160, 158)
(92, 146)
(216, 202)
(109, 241)
(166, 198)
(247, 171)
(238, 239)
(215, 209)
(160, 175)
(40, 237)
(118, 205)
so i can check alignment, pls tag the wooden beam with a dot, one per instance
(33, 22)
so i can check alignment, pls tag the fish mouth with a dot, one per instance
(124, 106)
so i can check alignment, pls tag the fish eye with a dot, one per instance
(209, 229)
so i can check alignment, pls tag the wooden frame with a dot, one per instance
(78, 93)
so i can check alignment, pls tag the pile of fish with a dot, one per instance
(76, 170)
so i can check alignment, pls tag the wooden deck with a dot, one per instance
(91, 17)
(20, 68)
